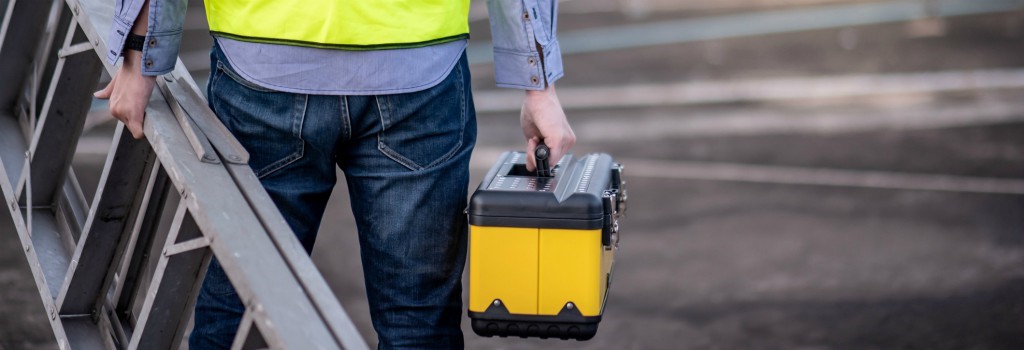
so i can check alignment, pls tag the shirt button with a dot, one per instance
(532, 61)
(152, 42)
(534, 80)
(526, 15)
(149, 63)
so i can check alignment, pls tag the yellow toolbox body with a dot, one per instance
(541, 248)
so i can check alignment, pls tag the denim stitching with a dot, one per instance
(390, 153)
(387, 151)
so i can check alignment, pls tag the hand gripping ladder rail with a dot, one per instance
(123, 271)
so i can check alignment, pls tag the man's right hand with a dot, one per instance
(129, 92)
(543, 120)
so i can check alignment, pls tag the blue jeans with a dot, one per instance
(406, 163)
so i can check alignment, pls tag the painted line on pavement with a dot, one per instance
(894, 114)
(678, 170)
(754, 90)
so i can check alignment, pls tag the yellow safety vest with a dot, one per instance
(341, 24)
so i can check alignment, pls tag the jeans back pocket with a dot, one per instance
(422, 129)
(267, 123)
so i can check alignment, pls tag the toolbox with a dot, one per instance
(542, 245)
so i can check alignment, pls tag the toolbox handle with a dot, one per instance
(541, 154)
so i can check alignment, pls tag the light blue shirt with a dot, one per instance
(526, 53)
(307, 70)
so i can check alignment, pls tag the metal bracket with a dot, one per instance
(200, 143)
(195, 107)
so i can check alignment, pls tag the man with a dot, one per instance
(377, 88)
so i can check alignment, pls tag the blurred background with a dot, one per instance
(804, 174)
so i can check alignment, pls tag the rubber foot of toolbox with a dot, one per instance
(568, 324)
(543, 330)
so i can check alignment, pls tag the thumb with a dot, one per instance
(557, 147)
(105, 93)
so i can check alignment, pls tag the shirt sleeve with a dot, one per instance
(518, 29)
(163, 38)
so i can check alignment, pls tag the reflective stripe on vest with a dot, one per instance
(341, 24)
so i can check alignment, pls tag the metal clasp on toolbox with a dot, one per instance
(542, 245)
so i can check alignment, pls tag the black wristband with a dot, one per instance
(134, 42)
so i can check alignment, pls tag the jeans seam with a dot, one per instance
(214, 77)
(382, 112)
(346, 121)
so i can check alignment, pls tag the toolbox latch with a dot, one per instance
(614, 200)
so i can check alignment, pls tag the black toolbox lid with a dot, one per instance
(510, 196)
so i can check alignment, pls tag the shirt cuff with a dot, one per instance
(524, 69)
(159, 53)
